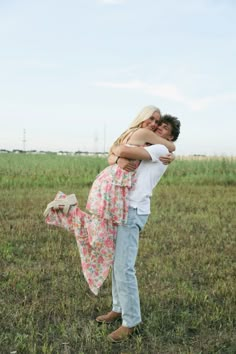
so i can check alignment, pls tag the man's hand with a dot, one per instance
(167, 159)
(127, 165)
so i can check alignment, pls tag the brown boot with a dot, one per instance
(109, 317)
(121, 334)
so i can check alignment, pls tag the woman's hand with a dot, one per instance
(167, 159)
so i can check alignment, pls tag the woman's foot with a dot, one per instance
(63, 203)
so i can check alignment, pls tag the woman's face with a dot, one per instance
(152, 122)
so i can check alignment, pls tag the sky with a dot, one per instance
(75, 73)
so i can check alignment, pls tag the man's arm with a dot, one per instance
(124, 152)
(131, 152)
(125, 164)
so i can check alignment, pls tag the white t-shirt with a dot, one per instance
(148, 174)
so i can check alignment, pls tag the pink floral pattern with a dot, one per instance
(107, 197)
(95, 233)
(95, 238)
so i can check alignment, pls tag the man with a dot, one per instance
(125, 295)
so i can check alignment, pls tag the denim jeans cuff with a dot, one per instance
(130, 325)
(116, 309)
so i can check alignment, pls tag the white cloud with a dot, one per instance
(171, 92)
(225, 97)
(30, 64)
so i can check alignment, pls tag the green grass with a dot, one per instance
(186, 263)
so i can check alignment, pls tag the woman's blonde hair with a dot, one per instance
(143, 115)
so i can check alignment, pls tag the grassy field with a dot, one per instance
(186, 263)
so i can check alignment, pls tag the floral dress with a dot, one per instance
(95, 233)
(107, 197)
(95, 238)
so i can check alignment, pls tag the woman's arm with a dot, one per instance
(112, 159)
(143, 136)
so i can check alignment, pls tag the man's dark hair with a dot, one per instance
(175, 125)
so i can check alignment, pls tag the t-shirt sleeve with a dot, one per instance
(156, 151)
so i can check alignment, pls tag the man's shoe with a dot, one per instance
(121, 334)
(109, 317)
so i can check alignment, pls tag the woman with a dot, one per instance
(107, 197)
(96, 232)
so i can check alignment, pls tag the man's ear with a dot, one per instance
(170, 138)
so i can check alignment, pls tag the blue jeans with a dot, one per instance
(125, 295)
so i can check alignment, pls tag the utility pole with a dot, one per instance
(104, 138)
(95, 143)
(24, 139)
